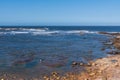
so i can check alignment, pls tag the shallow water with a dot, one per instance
(40, 51)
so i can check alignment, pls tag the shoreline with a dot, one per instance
(107, 68)
(102, 69)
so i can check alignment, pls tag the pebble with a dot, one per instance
(88, 64)
(54, 73)
(92, 74)
(74, 63)
(81, 64)
(93, 64)
(100, 71)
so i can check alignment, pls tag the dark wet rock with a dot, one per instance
(74, 63)
(103, 33)
(115, 34)
(54, 73)
(89, 64)
(81, 64)
(108, 33)
(113, 52)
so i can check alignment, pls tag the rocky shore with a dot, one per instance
(102, 69)
(107, 68)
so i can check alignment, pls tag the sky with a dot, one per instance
(59, 12)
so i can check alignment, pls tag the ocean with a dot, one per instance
(39, 50)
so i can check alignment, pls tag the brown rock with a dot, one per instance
(81, 64)
(92, 74)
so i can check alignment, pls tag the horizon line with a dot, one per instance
(52, 25)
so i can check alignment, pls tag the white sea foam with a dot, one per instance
(18, 32)
(81, 31)
(44, 31)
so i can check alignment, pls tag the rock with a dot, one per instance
(117, 45)
(54, 73)
(99, 71)
(23, 61)
(81, 64)
(116, 42)
(74, 64)
(92, 74)
(114, 52)
(116, 65)
(93, 64)
(89, 64)
(103, 33)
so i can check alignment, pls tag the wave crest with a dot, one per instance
(42, 31)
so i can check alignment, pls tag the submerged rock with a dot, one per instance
(74, 64)
(113, 52)
(22, 61)
(81, 64)
(23, 58)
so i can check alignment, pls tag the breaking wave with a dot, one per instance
(43, 31)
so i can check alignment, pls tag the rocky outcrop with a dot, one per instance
(116, 42)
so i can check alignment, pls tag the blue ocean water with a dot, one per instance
(42, 50)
